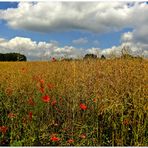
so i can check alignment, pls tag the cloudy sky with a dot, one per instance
(41, 30)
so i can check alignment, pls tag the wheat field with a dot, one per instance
(74, 103)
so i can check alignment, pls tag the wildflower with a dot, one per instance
(30, 115)
(95, 100)
(54, 139)
(83, 106)
(53, 59)
(53, 102)
(3, 129)
(42, 81)
(24, 70)
(83, 136)
(46, 99)
(11, 115)
(125, 121)
(31, 102)
(42, 90)
(70, 141)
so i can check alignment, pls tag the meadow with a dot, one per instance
(74, 103)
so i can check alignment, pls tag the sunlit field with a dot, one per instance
(74, 103)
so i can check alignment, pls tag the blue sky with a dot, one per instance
(98, 32)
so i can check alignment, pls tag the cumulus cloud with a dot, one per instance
(37, 50)
(126, 37)
(96, 51)
(137, 45)
(65, 16)
(98, 17)
(45, 50)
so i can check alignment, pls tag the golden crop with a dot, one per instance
(115, 93)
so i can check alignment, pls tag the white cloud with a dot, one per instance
(126, 37)
(44, 50)
(36, 50)
(2, 40)
(65, 16)
(95, 51)
(80, 41)
(98, 17)
(135, 42)
(134, 49)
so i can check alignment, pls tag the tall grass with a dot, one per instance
(114, 92)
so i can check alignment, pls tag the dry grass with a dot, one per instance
(114, 91)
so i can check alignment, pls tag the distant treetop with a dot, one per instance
(90, 56)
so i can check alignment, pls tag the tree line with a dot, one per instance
(12, 57)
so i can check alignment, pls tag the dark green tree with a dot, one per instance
(103, 57)
(12, 57)
(90, 56)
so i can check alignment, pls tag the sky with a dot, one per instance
(42, 30)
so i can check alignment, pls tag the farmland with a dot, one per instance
(74, 103)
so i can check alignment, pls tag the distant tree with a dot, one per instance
(125, 54)
(90, 56)
(2, 57)
(12, 57)
(103, 57)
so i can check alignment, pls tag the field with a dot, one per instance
(74, 103)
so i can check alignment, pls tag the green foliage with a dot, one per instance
(12, 57)
(90, 56)
(103, 57)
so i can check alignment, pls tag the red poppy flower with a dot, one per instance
(31, 102)
(46, 99)
(11, 115)
(83, 106)
(3, 129)
(95, 100)
(42, 81)
(30, 115)
(70, 141)
(24, 70)
(42, 90)
(53, 102)
(54, 139)
(53, 59)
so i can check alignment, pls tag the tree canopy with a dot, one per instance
(90, 56)
(12, 57)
